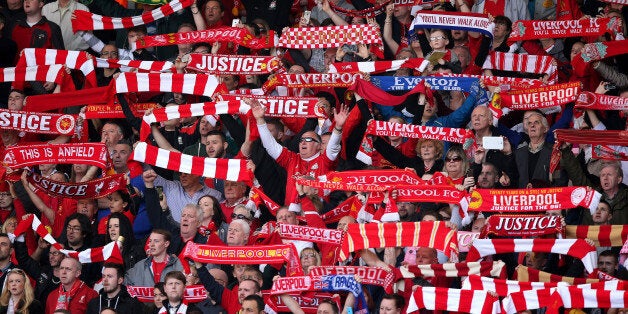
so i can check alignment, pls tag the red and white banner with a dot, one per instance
(533, 29)
(422, 193)
(533, 200)
(125, 65)
(573, 247)
(233, 64)
(384, 177)
(541, 97)
(419, 64)
(369, 275)
(284, 107)
(330, 36)
(474, 22)
(385, 128)
(465, 239)
(40, 73)
(38, 122)
(454, 300)
(310, 234)
(455, 270)
(219, 168)
(78, 60)
(505, 287)
(192, 294)
(523, 63)
(94, 154)
(96, 188)
(193, 84)
(341, 186)
(593, 101)
(236, 35)
(526, 226)
(222, 254)
(603, 235)
(311, 80)
(86, 21)
(115, 111)
(529, 300)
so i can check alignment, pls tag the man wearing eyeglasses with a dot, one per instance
(310, 160)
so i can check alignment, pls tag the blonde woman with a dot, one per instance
(18, 296)
(309, 258)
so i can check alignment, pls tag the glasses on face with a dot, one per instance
(308, 255)
(454, 159)
(239, 216)
(5, 194)
(435, 38)
(74, 228)
(308, 140)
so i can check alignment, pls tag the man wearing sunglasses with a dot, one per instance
(310, 160)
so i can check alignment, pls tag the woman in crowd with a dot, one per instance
(118, 225)
(213, 218)
(18, 296)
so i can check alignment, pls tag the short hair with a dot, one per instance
(219, 216)
(614, 164)
(139, 29)
(220, 4)
(501, 19)
(258, 300)
(438, 145)
(530, 113)
(79, 266)
(222, 135)
(186, 24)
(197, 209)
(400, 302)
(332, 303)
(328, 96)
(118, 267)
(4, 235)
(60, 311)
(14, 90)
(161, 286)
(490, 164)
(277, 123)
(245, 226)
(610, 209)
(175, 274)
(167, 235)
(86, 227)
(257, 288)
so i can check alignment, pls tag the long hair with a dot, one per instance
(126, 230)
(27, 297)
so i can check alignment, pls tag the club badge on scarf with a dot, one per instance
(94, 154)
(311, 80)
(501, 225)
(593, 101)
(38, 122)
(419, 64)
(397, 83)
(283, 106)
(531, 30)
(237, 35)
(96, 188)
(233, 64)
(540, 97)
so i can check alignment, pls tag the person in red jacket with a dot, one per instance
(36, 31)
(73, 294)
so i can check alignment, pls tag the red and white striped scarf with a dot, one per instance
(115, 111)
(524, 273)
(605, 235)
(465, 238)
(78, 60)
(455, 270)
(219, 168)
(607, 152)
(577, 248)
(95, 154)
(125, 65)
(237, 35)
(529, 300)
(419, 64)
(40, 73)
(87, 21)
(433, 234)
(110, 252)
(588, 100)
(576, 297)
(192, 84)
(505, 287)
(523, 63)
(622, 2)
(540, 97)
(529, 30)
(330, 36)
(592, 137)
(190, 110)
(232, 64)
(259, 197)
(455, 300)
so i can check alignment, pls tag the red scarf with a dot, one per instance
(422, 193)
(531, 30)
(372, 67)
(47, 102)
(284, 107)
(115, 111)
(259, 197)
(588, 100)
(233, 64)
(455, 300)
(604, 235)
(369, 275)
(330, 36)
(310, 234)
(40, 73)
(193, 84)
(343, 186)
(77, 60)
(143, 66)
(350, 207)
(522, 225)
(312, 80)
(524, 273)
(455, 270)
(96, 188)
(371, 12)
(540, 97)
(65, 297)
(504, 287)
(237, 35)
(593, 137)
(94, 154)
(523, 63)
(192, 294)
(608, 153)
(36, 122)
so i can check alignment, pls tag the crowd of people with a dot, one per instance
(269, 213)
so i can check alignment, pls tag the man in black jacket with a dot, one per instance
(113, 293)
(47, 276)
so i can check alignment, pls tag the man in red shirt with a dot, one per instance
(73, 294)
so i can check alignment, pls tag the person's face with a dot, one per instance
(205, 127)
(478, 224)
(438, 40)
(116, 203)
(245, 289)
(68, 271)
(500, 30)
(159, 298)
(609, 178)
(406, 209)
(14, 4)
(536, 261)
(296, 69)
(325, 308)
(230, 81)
(15, 283)
(329, 56)
(427, 151)
(458, 35)
(234, 190)
(5, 248)
(453, 163)
(429, 110)
(32, 6)
(213, 14)
(110, 135)
(75, 233)
(46, 168)
(429, 217)
(274, 131)
(602, 214)
(215, 146)
(113, 227)
(235, 235)
(157, 244)
(488, 177)
(344, 222)
(535, 126)
(480, 118)
(109, 52)
(134, 36)
(5, 199)
(576, 49)
(388, 306)
(80, 168)
(607, 264)
(308, 258)
(285, 216)
(250, 306)
(174, 289)
(189, 221)
(110, 280)
(401, 11)
(308, 148)
(396, 120)
(463, 56)
(10, 224)
(16, 101)
(402, 55)
(188, 180)
(425, 256)
(55, 257)
(86, 207)
(120, 156)
(207, 205)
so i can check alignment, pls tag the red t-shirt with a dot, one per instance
(157, 269)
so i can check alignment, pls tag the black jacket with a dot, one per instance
(46, 280)
(35, 307)
(122, 303)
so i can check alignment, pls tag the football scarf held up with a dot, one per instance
(310, 234)
(330, 36)
(472, 22)
(78, 60)
(236, 35)
(40, 73)
(233, 64)
(587, 100)
(193, 84)
(94, 154)
(399, 83)
(455, 270)
(454, 135)
(540, 97)
(193, 294)
(592, 137)
(38, 122)
(311, 80)
(283, 106)
(96, 188)
(522, 225)
(418, 64)
(523, 63)
(531, 30)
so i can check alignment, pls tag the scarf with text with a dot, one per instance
(399, 83)
(40, 73)
(284, 106)
(372, 93)
(350, 207)
(371, 12)
(115, 111)
(127, 65)
(591, 137)
(421, 193)
(387, 177)
(96, 188)
(604, 235)
(455, 270)
(505, 287)
(577, 248)
(608, 153)
(190, 110)
(465, 238)
(540, 97)
(78, 60)
(523, 63)
(369, 275)
(423, 3)
(193, 294)
(525, 273)
(533, 200)
(310, 234)
(47, 102)
(472, 22)
(587, 100)
(110, 252)
(238, 35)
(532, 29)
(192, 84)
(219, 168)
(418, 64)
(321, 283)
(454, 135)
(220, 254)
(433, 234)
(64, 297)
(38, 122)
(341, 186)
(233, 64)
(87, 21)
(456, 300)
(330, 36)
(622, 2)
(312, 80)
(94, 154)
(526, 226)
(308, 304)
